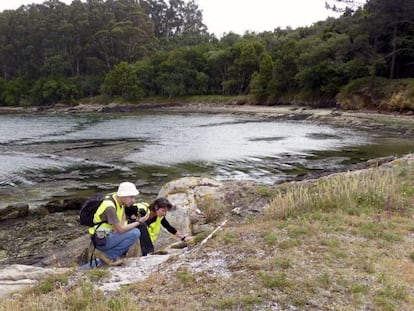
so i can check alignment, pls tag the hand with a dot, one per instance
(188, 238)
(143, 218)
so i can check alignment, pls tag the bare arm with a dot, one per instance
(124, 228)
(120, 226)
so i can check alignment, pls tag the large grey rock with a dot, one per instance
(17, 277)
(186, 194)
(74, 252)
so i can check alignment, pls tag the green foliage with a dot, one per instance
(246, 60)
(262, 82)
(123, 81)
(15, 92)
(320, 65)
(53, 89)
(139, 49)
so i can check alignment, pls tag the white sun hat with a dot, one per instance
(127, 189)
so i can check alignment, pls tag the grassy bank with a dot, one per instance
(378, 93)
(343, 242)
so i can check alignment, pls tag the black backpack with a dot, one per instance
(89, 208)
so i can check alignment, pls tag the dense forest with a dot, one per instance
(136, 49)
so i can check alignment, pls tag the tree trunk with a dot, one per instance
(393, 52)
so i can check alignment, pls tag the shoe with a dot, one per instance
(160, 252)
(108, 261)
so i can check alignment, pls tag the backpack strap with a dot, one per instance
(108, 197)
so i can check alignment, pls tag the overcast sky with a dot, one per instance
(223, 16)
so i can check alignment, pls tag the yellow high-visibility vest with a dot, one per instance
(120, 213)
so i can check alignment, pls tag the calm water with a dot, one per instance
(151, 149)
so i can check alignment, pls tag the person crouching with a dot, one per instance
(151, 227)
(117, 235)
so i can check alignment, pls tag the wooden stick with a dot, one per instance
(212, 233)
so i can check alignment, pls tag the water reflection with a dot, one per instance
(154, 148)
(180, 139)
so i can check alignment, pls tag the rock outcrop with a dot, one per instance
(16, 277)
(187, 195)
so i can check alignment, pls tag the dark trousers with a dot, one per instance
(145, 240)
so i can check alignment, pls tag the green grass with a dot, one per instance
(97, 274)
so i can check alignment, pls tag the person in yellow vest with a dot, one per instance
(113, 236)
(151, 227)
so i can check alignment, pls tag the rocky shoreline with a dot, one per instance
(357, 119)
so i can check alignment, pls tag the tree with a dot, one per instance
(320, 65)
(123, 81)
(181, 72)
(246, 55)
(48, 90)
(175, 18)
(391, 27)
(262, 82)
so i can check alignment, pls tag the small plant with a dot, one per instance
(229, 237)
(389, 296)
(359, 289)
(248, 300)
(185, 275)
(115, 304)
(368, 266)
(332, 243)
(200, 236)
(213, 210)
(275, 280)
(325, 280)
(265, 192)
(51, 283)
(83, 297)
(289, 243)
(270, 238)
(283, 263)
(97, 274)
